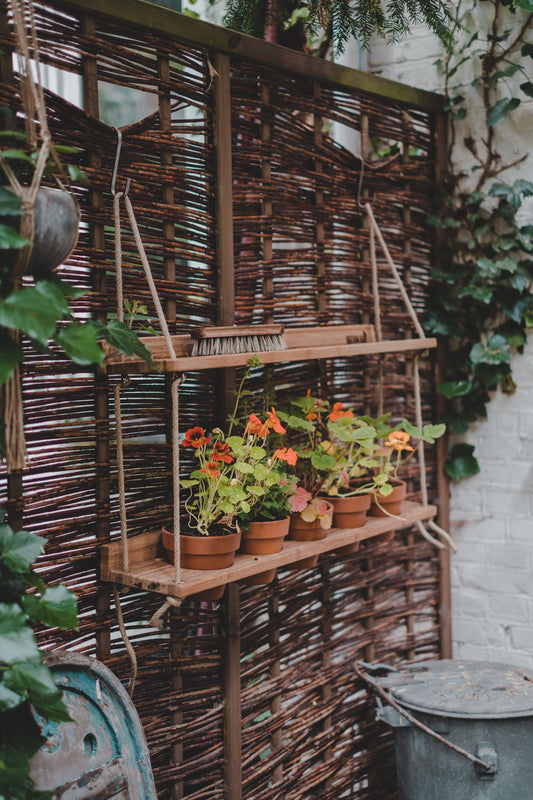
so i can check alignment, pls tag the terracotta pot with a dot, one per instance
(264, 537)
(350, 512)
(301, 531)
(390, 505)
(203, 552)
(261, 579)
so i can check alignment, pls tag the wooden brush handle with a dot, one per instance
(213, 332)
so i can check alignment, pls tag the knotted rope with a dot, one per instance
(176, 383)
(375, 230)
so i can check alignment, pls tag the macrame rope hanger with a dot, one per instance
(176, 383)
(375, 231)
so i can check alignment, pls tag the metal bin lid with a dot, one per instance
(465, 689)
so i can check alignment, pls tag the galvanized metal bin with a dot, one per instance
(484, 708)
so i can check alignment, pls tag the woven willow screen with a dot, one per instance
(291, 721)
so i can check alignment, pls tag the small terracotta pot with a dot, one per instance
(261, 579)
(264, 537)
(203, 552)
(301, 531)
(350, 512)
(391, 505)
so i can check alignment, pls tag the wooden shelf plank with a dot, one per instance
(305, 344)
(150, 572)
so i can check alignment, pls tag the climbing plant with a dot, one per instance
(481, 299)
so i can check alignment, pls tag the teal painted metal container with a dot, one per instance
(102, 753)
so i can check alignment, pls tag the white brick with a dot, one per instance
(470, 632)
(511, 556)
(521, 530)
(470, 652)
(496, 581)
(502, 502)
(522, 638)
(509, 609)
(467, 603)
(468, 528)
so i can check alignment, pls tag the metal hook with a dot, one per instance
(360, 184)
(115, 168)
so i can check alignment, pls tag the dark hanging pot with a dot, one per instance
(56, 221)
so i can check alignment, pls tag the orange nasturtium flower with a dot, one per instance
(286, 454)
(196, 437)
(255, 426)
(273, 421)
(211, 469)
(338, 412)
(221, 452)
(398, 441)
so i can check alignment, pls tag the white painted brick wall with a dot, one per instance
(491, 513)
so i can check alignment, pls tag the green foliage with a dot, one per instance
(481, 299)
(26, 684)
(300, 22)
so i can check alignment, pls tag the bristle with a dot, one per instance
(226, 345)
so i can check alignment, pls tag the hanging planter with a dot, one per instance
(53, 232)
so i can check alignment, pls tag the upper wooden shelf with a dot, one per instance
(303, 344)
(149, 571)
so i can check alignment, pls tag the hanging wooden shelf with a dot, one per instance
(303, 344)
(149, 571)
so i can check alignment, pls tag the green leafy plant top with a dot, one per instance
(481, 299)
(27, 687)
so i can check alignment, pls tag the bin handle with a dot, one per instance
(416, 722)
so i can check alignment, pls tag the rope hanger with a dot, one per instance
(177, 380)
(376, 231)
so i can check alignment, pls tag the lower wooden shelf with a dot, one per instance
(149, 571)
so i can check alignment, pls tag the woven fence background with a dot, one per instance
(301, 257)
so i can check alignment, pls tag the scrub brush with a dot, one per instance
(214, 341)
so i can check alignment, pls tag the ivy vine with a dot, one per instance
(481, 300)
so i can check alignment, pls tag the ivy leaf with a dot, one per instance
(482, 293)
(527, 88)
(56, 607)
(527, 5)
(501, 109)
(10, 203)
(496, 351)
(119, 335)
(527, 50)
(11, 356)
(18, 155)
(17, 641)
(37, 680)
(78, 340)
(10, 239)
(452, 389)
(461, 462)
(25, 309)
(77, 175)
(9, 699)
(19, 550)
